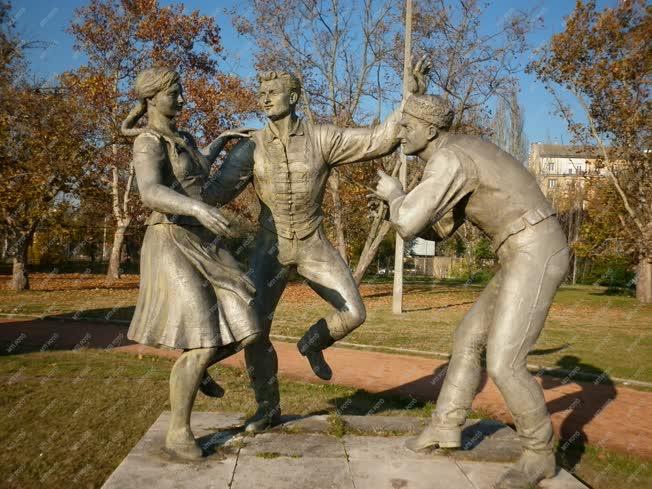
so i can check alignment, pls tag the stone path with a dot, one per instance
(301, 454)
(604, 414)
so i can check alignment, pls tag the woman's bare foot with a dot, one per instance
(182, 443)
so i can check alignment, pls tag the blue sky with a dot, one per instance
(47, 21)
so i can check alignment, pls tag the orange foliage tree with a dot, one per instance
(43, 150)
(122, 37)
(603, 58)
(44, 143)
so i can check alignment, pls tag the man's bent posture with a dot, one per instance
(468, 178)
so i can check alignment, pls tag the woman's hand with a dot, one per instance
(241, 132)
(212, 219)
(212, 151)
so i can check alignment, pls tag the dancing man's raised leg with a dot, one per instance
(331, 278)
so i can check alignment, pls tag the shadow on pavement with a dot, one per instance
(438, 308)
(583, 406)
(54, 334)
(412, 395)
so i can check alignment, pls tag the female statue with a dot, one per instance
(193, 295)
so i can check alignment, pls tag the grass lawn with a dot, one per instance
(69, 418)
(586, 327)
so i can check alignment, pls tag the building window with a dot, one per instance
(552, 183)
(551, 167)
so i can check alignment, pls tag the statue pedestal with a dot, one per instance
(361, 452)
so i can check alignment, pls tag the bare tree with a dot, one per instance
(508, 127)
(471, 65)
(474, 67)
(349, 57)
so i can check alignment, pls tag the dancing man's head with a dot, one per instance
(278, 94)
(424, 117)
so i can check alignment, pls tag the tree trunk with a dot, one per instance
(369, 252)
(334, 183)
(114, 270)
(20, 279)
(377, 232)
(121, 214)
(644, 282)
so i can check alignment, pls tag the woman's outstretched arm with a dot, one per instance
(214, 149)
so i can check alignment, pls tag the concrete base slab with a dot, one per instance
(308, 445)
(408, 474)
(290, 473)
(384, 462)
(302, 454)
(486, 474)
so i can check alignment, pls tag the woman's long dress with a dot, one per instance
(193, 293)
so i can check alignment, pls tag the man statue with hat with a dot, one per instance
(466, 177)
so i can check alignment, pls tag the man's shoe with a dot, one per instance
(436, 435)
(318, 364)
(210, 388)
(528, 470)
(263, 420)
(312, 344)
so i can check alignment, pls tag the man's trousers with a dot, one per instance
(507, 319)
(326, 273)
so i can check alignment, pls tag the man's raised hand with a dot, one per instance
(417, 82)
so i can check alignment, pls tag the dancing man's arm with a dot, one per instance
(351, 145)
(233, 175)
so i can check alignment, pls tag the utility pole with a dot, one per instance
(104, 241)
(397, 296)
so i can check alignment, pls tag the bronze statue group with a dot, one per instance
(196, 297)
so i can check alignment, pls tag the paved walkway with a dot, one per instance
(606, 415)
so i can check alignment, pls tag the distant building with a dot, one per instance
(426, 263)
(424, 247)
(555, 165)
